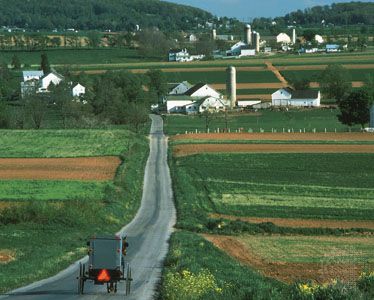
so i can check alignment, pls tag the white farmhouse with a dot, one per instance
(283, 38)
(30, 75)
(45, 81)
(180, 88)
(177, 103)
(202, 90)
(289, 97)
(247, 103)
(179, 55)
(78, 90)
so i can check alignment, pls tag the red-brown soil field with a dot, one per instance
(304, 223)
(86, 168)
(286, 271)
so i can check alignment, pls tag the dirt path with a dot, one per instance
(304, 223)
(276, 72)
(346, 136)
(87, 168)
(190, 149)
(285, 271)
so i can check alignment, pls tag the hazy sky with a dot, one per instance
(246, 9)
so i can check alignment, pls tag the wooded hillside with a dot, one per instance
(115, 15)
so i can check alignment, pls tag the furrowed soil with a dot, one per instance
(190, 149)
(87, 168)
(286, 271)
(278, 136)
(301, 223)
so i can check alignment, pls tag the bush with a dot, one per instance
(365, 283)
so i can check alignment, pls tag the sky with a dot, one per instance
(245, 10)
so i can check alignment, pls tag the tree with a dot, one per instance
(153, 43)
(309, 35)
(335, 82)
(36, 106)
(4, 120)
(205, 47)
(44, 64)
(60, 95)
(16, 63)
(157, 83)
(300, 84)
(354, 109)
(208, 118)
(136, 115)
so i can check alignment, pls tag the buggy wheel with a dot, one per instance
(81, 279)
(128, 280)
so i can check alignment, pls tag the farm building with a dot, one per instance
(179, 55)
(30, 75)
(283, 38)
(45, 81)
(247, 103)
(332, 48)
(198, 98)
(236, 49)
(289, 97)
(78, 90)
(179, 88)
(319, 39)
(202, 90)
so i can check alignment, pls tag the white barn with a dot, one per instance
(289, 97)
(283, 38)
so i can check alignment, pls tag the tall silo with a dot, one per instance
(294, 36)
(248, 34)
(256, 42)
(372, 116)
(231, 85)
(214, 34)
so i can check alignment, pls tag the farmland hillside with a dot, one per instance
(116, 15)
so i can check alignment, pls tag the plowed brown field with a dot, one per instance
(304, 223)
(6, 256)
(278, 136)
(190, 149)
(286, 271)
(87, 168)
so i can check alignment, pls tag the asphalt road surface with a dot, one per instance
(148, 236)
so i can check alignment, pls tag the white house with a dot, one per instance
(29, 75)
(283, 38)
(247, 52)
(202, 90)
(45, 81)
(78, 90)
(180, 88)
(192, 38)
(209, 103)
(179, 55)
(289, 97)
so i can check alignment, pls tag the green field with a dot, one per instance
(305, 249)
(264, 119)
(42, 190)
(64, 143)
(318, 186)
(221, 77)
(314, 75)
(74, 56)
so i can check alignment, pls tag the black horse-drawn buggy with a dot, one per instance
(106, 264)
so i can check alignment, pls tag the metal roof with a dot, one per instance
(32, 73)
(305, 94)
(195, 88)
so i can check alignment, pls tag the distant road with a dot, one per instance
(148, 235)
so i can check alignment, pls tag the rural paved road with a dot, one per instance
(148, 236)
